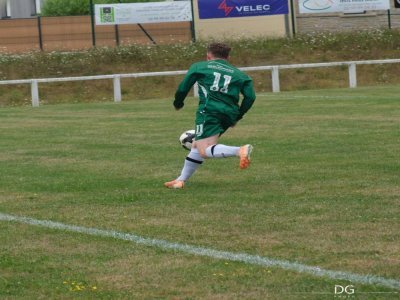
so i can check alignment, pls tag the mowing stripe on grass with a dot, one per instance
(217, 254)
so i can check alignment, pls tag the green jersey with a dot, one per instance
(220, 85)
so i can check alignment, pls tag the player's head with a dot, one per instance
(218, 50)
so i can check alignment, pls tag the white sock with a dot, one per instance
(219, 151)
(192, 162)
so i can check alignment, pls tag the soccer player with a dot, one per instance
(220, 85)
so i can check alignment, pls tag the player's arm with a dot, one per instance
(249, 96)
(184, 87)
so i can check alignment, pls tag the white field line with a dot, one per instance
(207, 252)
(286, 96)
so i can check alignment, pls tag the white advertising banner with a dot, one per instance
(345, 6)
(149, 12)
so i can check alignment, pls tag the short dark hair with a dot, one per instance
(219, 50)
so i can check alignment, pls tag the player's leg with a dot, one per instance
(207, 142)
(209, 148)
(208, 131)
(192, 162)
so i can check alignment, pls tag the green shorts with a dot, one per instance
(210, 124)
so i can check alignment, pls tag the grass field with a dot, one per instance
(323, 190)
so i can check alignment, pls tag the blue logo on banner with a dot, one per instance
(210, 9)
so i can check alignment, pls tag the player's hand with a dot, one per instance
(178, 105)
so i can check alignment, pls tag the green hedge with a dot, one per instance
(77, 7)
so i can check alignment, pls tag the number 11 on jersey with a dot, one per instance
(217, 78)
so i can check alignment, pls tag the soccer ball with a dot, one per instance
(186, 139)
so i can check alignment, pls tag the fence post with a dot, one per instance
(293, 17)
(117, 31)
(352, 75)
(39, 23)
(117, 35)
(275, 79)
(192, 28)
(35, 93)
(92, 21)
(117, 88)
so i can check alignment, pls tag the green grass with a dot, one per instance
(323, 190)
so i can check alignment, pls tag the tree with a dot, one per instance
(77, 7)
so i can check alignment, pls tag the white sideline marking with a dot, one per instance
(217, 254)
(286, 96)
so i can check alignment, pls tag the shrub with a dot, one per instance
(77, 7)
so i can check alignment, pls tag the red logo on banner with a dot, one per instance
(225, 7)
